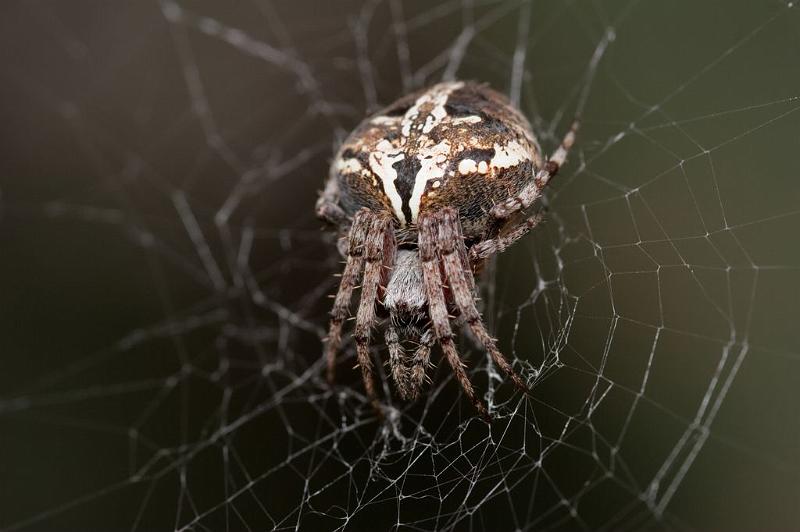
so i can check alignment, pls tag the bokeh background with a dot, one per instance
(163, 280)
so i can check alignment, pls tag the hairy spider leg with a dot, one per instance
(499, 244)
(392, 339)
(451, 242)
(379, 252)
(409, 379)
(350, 278)
(431, 272)
(420, 363)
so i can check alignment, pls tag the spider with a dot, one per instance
(422, 193)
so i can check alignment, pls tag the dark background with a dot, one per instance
(159, 363)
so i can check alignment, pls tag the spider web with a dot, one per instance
(165, 280)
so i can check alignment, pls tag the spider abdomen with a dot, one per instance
(457, 144)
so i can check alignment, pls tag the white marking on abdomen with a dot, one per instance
(467, 166)
(381, 161)
(472, 119)
(437, 96)
(509, 155)
(385, 120)
(352, 166)
(433, 164)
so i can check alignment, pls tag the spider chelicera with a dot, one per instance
(421, 193)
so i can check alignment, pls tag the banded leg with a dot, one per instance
(379, 252)
(350, 278)
(396, 364)
(419, 365)
(487, 248)
(449, 239)
(533, 190)
(431, 273)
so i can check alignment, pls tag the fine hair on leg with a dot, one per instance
(440, 320)
(379, 251)
(487, 248)
(419, 365)
(396, 364)
(450, 239)
(349, 280)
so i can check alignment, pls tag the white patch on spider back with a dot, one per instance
(436, 98)
(434, 161)
(381, 161)
(385, 120)
(467, 166)
(473, 119)
(434, 119)
(350, 166)
(509, 155)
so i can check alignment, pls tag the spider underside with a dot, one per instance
(415, 254)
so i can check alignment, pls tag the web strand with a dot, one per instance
(635, 310)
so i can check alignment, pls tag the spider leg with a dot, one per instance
(350, 278)
(533, 190)
(328, 205)
(379, 251)
(432, 278)
(487, 248)
(419, 365)
(396, 360)
(450, 240)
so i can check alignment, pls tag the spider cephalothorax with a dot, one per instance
(422, 193)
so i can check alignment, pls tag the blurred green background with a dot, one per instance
(164, 279)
